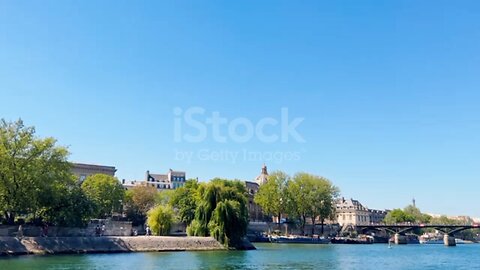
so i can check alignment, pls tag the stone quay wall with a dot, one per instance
(112, 228)
(104, 244)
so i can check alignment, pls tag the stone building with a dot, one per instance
(262, 178)
(377, 216)
(82, 170)
(171, 180)
(352, 212)
(255, 211)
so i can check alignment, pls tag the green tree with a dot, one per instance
(417, 215)
(106, 192)
(310, 196)
(271, 196)
(444, 220)
(138, 201)
(160, 219)
(29, 168)
(325, 195)
(299, 201)
(221, 211)
(398, 216)
(184, 200)
(164, 197)
(224, 225)
(68, 206)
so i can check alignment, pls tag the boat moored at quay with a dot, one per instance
(297, 239)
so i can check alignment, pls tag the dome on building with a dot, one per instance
(263, 177)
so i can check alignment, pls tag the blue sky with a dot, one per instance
(388, 90)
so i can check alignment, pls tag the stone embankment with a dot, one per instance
(106, 244)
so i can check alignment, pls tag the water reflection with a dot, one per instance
(268, 256)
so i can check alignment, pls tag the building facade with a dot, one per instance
(171, 180)
(82, 170)
(377, 216)
(255, 212)
(262, 178)
(352, 212)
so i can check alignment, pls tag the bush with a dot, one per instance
(160, 219)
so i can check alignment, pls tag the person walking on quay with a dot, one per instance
(97, 231)
(20, 231)
(148, 231)
(103, 229)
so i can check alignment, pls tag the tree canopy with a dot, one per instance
(184, 199)
(160, 219)
(138, 201)
(271, 196)
(105, 192)
(310, 196)
(32, 171)
(408, 214)
(221, 211)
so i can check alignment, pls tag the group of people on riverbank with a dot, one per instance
(148, 231)
(100, 230)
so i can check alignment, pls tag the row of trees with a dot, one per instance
(413, 215)
(36, 182)
(299, 197)
(408, 214)
(36, 185)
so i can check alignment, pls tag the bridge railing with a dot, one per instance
(405, 224)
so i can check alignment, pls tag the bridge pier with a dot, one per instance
(400, 239)
(449, 241)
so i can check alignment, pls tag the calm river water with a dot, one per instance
(269, 256)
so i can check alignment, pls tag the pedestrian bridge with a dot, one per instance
(400, 229)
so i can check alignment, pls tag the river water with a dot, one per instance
(269, 256)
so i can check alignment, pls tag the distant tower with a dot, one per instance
(413, 202)
(263, 177)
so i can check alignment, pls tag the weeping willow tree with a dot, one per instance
(227, 224)
(221, 212)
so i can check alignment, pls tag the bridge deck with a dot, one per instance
(471, 226)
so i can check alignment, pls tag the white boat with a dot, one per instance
(431, 241)
(461, 241)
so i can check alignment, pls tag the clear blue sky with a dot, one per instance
(389, 90)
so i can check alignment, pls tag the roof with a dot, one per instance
(350, 204)
(177, 172)
(93, 165)
(263, 177)
(159, 177)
